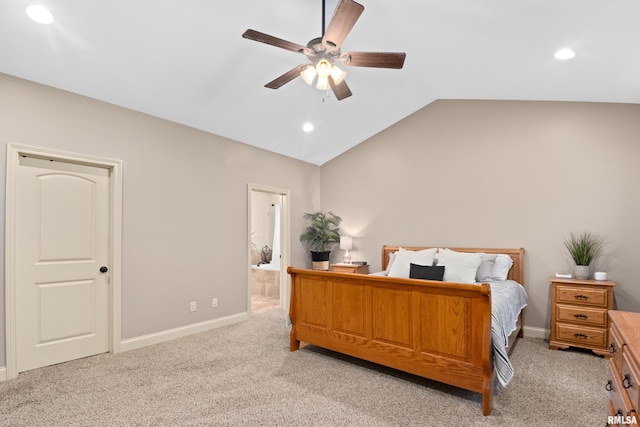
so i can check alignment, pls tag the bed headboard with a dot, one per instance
(517, 255)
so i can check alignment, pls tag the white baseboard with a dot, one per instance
(3, 373)
(183, 331)
(531, 332)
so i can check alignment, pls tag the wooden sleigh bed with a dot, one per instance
(437, 330)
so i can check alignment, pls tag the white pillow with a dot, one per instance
(459, 267)
(501, 267)
(402, 262)
(392, 257)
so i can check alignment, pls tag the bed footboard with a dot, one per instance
(436, 330)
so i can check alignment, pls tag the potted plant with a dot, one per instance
(321, 234)
(584, 248)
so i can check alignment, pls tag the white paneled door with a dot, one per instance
(62, 262)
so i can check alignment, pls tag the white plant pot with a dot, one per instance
(582, 272)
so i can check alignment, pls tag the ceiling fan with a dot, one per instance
(324, 52)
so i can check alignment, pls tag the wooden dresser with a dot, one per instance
(624, 368)
(579, 314)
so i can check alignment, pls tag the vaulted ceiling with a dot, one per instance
(186, 61)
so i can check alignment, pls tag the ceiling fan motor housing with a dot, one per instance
(317, 51)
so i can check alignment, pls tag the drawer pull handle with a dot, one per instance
(583, 336)
(612, 348)
(581, 316)
(580, 296)
(609, 386)
(626, 381)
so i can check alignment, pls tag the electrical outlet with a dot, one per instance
(193, 306)
(214, 302)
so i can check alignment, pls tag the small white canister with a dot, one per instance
(600, 275)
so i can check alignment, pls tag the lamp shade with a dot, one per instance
(346, 242)
(308, 74)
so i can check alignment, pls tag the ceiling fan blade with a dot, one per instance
(273, 41)
(373, 59)
(344, 18)
(286, 77)
(341, 90)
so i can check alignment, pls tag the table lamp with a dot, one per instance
(346, 243)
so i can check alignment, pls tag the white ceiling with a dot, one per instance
(186, 61)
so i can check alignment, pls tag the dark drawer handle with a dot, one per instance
(609, 386)
(581, 316)
(583, 336)
(626, 381)
(580, 296)
(612, 348)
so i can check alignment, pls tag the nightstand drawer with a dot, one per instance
(582, 315)
(582, 296)
(350, 268)
(581, 335)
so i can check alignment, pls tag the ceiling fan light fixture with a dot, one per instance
(323, 68)
(337, 74)
(323, 83)
(308, 74)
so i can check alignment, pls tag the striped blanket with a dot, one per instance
(508, 298)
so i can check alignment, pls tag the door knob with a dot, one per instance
(103, 269)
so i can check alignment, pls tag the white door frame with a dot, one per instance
(14, 151)
(285, 287)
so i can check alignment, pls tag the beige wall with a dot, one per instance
(185, 201)
(499, 174)
(456, 173)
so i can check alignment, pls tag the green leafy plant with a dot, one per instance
(323, 230)
(584, 247)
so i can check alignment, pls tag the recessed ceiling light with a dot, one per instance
(39, 14)
(565, 54)
(307, 127)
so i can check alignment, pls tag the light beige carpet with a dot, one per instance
(245, 375)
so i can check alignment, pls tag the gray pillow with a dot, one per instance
(485, 270)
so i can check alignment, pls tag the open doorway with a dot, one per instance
(268, 248)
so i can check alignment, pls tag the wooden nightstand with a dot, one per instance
(579, 314)
(350, 268)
